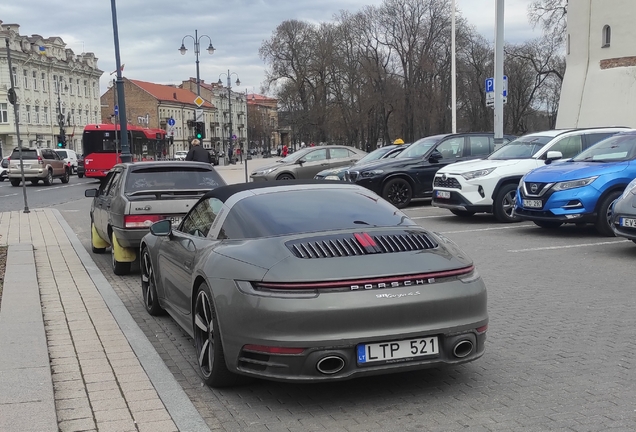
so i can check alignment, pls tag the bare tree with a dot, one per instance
(551, 15)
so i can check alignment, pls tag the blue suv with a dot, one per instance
(581, 189)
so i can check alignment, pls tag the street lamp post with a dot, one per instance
(229, 103)
(126, 156)
(197, 45)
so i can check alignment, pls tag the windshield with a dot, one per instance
(26, 154)
(419, 148)
(171, 178)
(521, 148)
(375, 155)
(301, 211)
(615, 149)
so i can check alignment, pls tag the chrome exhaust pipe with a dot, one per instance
(330, 365)
(463, 348)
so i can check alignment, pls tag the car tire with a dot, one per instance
(602, 224)
(149, 286)
(285, 177)
(80, 175)
(93, 248)
(398, 192)
(49, 178)
(34, 182)
(15, 182)
(67, 176)
(119, 268)
(504, 204)
(208, 343)
(548, 224)
(462, 213)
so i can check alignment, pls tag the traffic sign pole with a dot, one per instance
(499, 73)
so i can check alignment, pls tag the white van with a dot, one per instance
(70, 158)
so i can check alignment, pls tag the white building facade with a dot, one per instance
(599, 87)
(48, 78)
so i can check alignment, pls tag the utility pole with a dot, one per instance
(499, 73)
(125, 147)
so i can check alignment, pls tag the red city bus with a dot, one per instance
(99, 143)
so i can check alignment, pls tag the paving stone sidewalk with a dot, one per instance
(98, 380)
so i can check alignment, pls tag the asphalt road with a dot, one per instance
(40, 196)
(560, 353)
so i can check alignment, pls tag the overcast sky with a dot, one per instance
(150, 31)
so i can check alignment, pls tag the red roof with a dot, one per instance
(169, 94)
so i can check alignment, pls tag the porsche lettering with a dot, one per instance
(394, 284)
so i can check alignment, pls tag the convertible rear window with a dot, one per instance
(26, 154)
(309, 210)
(172, 178)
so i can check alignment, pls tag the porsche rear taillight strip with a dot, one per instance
(364, 282)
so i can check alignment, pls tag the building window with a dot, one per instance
(79, 92)
(55, 87)
(37, 114)
(43, 82)
(70, 87)
(4, 113)
(35, 80)
(87, 118)
(15, 76)
(607, 36)
(26, 78)
(86, 88)
(45, 115)
(72, 116)
(27, 117)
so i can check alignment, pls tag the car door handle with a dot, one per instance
(188, 265)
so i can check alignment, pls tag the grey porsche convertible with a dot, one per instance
(309, 281)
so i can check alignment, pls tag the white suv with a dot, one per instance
(489, 185)
(70, 159)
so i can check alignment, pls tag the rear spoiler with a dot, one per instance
(171, 192)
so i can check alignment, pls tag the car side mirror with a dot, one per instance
(162, 228)
(552, 155)
(435, 156)
(301, 161)
(90, 193)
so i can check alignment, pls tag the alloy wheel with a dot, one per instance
(508, 203)
(399, 193)
(204, 333)
(147, 280)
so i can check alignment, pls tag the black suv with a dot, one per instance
(410, 174)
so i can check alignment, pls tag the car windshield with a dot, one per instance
(521, 148)
(62, 154)
(172, 178)
(419, 148)
(375, 155)
(309, 210)
(26, 154)
(614, 149)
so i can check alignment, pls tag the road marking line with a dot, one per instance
(568, 246)
(5, 196)
(485, 229)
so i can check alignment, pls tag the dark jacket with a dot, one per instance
(198, 154)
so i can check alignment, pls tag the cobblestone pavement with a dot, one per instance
(560, 351)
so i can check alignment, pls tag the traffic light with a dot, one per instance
(199, 130)
(61, 141)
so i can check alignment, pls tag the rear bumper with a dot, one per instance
(130, 238)
(335, 324)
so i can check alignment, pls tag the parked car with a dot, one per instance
(489, 185)
(385, 152)
(134, 195)
(410, 174)
(39, 164)
(69, 157)
(582, 189)
(623, 213)
(312, 281)
(306, 163)
(80, 166)
(4, 169)
(214, 156)
(180, 155)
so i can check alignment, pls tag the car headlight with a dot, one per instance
(265, 171)
(479, 173)
(371, 173)
(631, 188)
(561, 186)
(332, 177)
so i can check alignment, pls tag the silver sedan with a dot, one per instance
(306, 163)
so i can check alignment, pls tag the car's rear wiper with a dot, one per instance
(174, 192)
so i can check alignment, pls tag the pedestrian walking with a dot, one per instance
(284, 151)
(198, 153)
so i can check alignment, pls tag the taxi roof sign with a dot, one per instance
(199, 101)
